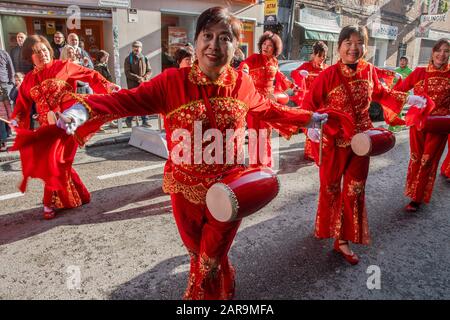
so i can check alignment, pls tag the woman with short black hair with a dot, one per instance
(209, 95)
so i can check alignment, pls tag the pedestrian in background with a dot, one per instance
(101, 65)
(6, 84)
(20, 64)
(58, 43)
(137, 70)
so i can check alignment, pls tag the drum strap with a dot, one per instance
(209, 110)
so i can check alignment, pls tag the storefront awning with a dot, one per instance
(315, 32)
(319, 24)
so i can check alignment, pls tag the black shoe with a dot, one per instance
(146, 125)
(128, 123)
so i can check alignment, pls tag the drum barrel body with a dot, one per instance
(437, 124)
(248, 191)
(373, 142)
(281, 97)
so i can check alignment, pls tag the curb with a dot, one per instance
(106, 142)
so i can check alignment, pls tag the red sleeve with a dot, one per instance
(248, 63)
(148, 98)
(96, 81)
(284, 119)
(317, 92)
(408, 83)
(22, 108)
(282, 83)
(391, 101)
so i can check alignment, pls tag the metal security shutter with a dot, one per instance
(425, 51)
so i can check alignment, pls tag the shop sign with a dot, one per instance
(132, 15)
(50, 27)
(177, 39)
(384, 31)
(422, 32)
(37, 25)
(114, 3)
(270, 11)
(247, 26)
(432, 18)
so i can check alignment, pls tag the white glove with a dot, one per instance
(72, 118)
(317, 119)
(304, 73)
(14, 123)
(417, 101)
(398, 76)
(313, 134)
(116, 88)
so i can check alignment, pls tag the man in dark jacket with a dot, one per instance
(137, 70)
(59, 41)
(20, 65)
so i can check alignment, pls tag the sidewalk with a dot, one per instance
(108, 137)
(112, 136)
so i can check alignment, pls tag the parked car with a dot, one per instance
(287, 66)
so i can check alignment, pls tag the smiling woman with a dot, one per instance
(51, 159)
(348, 86)
(209, 96)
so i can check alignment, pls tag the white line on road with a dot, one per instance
(156, 166)
(131, 171)
(288, 150)
(11, 196)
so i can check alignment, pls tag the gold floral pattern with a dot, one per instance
(48, 96)
(227, 77)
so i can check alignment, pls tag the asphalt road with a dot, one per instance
(125, 245)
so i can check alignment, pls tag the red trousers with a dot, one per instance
(74, 195)
(260, 152)
(341, 212)
(208, 242)
(308, 152)
(426, 151)
(445, 169)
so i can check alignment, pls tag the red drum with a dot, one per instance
(241, 194)
(372, 142)
(281, 97)
(437, 124)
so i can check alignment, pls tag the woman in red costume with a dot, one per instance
(304, 79)
(348, 86)
(209, 95)
(426, 148)
(47, 86)
(263, 69)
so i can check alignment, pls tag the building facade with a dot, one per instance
(113, 25)
(396, 27)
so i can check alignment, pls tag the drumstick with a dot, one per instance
(4, 120)
(321, 143)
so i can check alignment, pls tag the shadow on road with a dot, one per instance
(104, 207)
(287, 257)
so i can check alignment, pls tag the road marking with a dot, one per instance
(288, 150)
(156, 166)
(11, 196)
(131, 171)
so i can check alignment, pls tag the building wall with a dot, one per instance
(404, 14)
